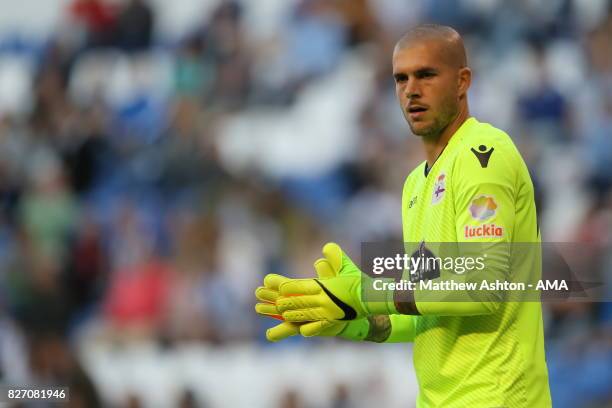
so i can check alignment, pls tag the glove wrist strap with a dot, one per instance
(355, 330)
(378, 302)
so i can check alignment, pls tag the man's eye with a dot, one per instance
(400, 78)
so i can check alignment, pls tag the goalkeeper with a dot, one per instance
(473, 187)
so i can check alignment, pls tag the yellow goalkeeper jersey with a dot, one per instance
(476, 354)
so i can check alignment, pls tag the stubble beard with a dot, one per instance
(430, 132)
(440, 123)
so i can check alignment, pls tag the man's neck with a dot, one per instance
(435, 145)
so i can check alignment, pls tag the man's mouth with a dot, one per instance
(416, 110)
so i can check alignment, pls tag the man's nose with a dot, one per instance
(413, 90)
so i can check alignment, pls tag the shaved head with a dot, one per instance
(446, 40)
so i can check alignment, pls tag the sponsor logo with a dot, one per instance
(439, 189)
(483, 155)
(483, 231)
(412, 202)
(483, 207)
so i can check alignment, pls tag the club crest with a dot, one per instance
(439, 189)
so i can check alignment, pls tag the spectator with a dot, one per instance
(135, 26)
(98, 21)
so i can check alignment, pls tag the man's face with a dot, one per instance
(426, 87)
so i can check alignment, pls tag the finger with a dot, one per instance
(308, 315)
(266, 295)
(273, 281)
(333, 253)
(315, 328)
(268, 309)
(324, 269)
(299, 287)
(282, 331)
(297, 302)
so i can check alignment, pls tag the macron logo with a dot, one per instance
(483, 231)
(483, 155)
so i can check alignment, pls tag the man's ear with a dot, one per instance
(464, 81)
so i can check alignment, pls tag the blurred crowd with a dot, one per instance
(149, 181)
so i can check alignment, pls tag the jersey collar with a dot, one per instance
(454, 140)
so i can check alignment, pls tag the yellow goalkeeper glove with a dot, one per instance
(268, 294)
(330, 298)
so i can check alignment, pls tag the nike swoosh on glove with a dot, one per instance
(269, 293)
(330, 298)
